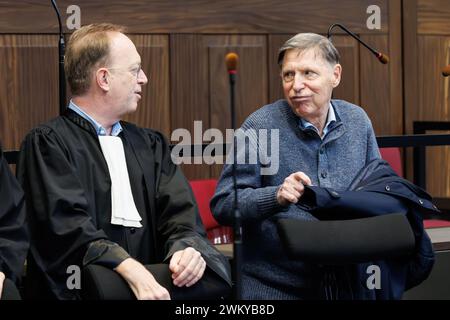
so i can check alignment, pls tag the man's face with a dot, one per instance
(308, 82)
(127, 77)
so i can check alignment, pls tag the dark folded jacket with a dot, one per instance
(376, 190)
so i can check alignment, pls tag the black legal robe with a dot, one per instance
(13, 232)
(67, 185)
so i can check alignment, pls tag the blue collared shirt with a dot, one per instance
(330, 118)
(115, 130)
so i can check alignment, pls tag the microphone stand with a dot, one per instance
(61, 52)
(381, 57)
(237, 243)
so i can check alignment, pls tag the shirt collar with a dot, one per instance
(101, 131)
(331, 117)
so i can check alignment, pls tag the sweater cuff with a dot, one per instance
(267, 201)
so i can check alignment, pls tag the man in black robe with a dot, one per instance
(103, 191)
(13, 233)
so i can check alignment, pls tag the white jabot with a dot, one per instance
(123, 208)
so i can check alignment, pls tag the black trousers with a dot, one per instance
(100, 283)
(10, 291)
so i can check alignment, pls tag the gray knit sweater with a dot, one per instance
(332, 162)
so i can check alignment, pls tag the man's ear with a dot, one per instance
(337, 71)
(102, 79)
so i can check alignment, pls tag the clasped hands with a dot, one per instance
(187, 267)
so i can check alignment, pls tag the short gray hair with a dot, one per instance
(305, 41)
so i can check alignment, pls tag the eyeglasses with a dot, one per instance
(134, 71)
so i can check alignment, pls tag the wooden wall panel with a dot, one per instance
(154, 108)
(200, 90)
(28, 85)
(394, 50)
(433, 94)
(252, 78)
(410, 73)
(438, 169)
(189, 90)
(433, 17)
(251, 83)
(434, 52)
(197, 16)
(349, 50)
(426, 41)
(375, 89)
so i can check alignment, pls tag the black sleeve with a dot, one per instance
(179, 222)
(13, 232)
(329, 204)
(58, 210)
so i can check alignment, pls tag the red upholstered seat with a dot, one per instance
(203, 192)
(434, 223)
(393, 157)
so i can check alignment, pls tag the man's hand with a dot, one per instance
(187, 267)
(141, 281)
(292, 188)
(2, 279)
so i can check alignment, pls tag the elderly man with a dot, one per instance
(105, 192)
(13, 232)
(322, 142)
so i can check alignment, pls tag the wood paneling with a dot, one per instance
(410, 74)
(426, 41)
(433, 53)
(251, 83)
(349, 50)
(375, 89)
(28, 84)
(252, 77)
(197, 16)
(395, 68)
(200, 88)
(411, 87)
(189, 90)
(154, 108)
(433, 17)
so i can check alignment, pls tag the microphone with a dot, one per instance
(384, 59)
(231, 60)
(61, 52)
(446, 71)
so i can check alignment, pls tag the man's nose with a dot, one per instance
(142, 78)
(299, 83)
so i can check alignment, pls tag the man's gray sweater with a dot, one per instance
(332, 161)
